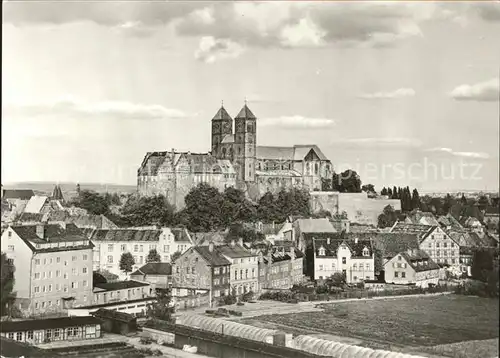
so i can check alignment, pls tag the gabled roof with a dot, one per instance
(311, 225)
(449, 221)
(301, 151)
(57, 193)
(125, 235)
(235, 251)
(419, 260)
(93, 221)
(271, 229)
(154, 268)
(181, 235)
(52, 233)
(280, 256)
(23, 194)
(203, 238)
(115, 315)
(274, 153)
(245, 113)
(412, 228)
(35, 204)
(38, 324)
(119, 285)
(331, 246)
(213, 258)
(222, 115)
(416, 215)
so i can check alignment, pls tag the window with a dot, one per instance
(37, 261)
(30, 335)
(73, 258)
(166, 248)
(452, 261)
(65, 275)
(58, 287)
(11, 248)
(19, 336)
(85, 257)
(445, 244)
(57, 332)
(220, 270)
(84, 270)
(110, 259)
(344, 260)
(124, 248)
(110, 247)
(235, 274)
(58, 260)
(192, 270)
(430, 244)
(187, 269)
(396, 274)
(438, 253)
(437, 244)
(74, 284)
(50, 274)
(65, 263)
(177, 270)
(73, 271)
(136, 248)
(321, 267)
(50, 288)
(141, 247)
(354, 267)
(43, 304)
(11, 335)
(403, 274)
(85, 283)
(321, 251)
(37, 275)
(366, 252)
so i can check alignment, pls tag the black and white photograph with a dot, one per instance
(250, 179)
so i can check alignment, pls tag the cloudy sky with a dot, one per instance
(404, 93)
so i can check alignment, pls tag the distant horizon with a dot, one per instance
(378, 189)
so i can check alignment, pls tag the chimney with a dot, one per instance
(328, 241)
(211, 246)
(240, 241)
(355, 240)
(233, 243)
(40, 231)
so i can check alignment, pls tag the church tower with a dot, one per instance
(222, 125)
(245, 139)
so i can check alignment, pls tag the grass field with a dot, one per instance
(418, 321)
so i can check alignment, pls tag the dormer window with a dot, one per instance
(366, 252)
(321, 251)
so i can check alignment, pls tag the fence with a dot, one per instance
(295, 297)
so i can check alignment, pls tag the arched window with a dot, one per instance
(223, 152)
(321, 251)
(366, 252)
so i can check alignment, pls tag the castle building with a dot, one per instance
(234, 160)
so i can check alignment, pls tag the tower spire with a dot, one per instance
(222, 103)
(245, 100)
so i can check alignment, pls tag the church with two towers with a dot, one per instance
(234, 160)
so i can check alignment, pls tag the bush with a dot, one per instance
(227, 300)
(240, 304)
(146, 340)
(157, 352)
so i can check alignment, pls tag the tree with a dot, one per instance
(384, 191)
(78, 189)
(153, 256)
(463, 200)
(203, 208)
(388, 217)
(350, 182)
(449, 202)
(368, 188)
(161, 308)
(235, 207)
(175, 256)
(267, 210)
(389, 193)
(336, 280)
(293, 202)
(238, 230)
(127, 262)
(7, 283)
(144, 211)
(93, 202)
(482, 264)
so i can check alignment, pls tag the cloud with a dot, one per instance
(475, 155)
(211, 50)
(106, 13)
(73, 108)
(379, 142)
(298, 122)
(399, 93)
(488, 91)
(134, 29)
(488, 11)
